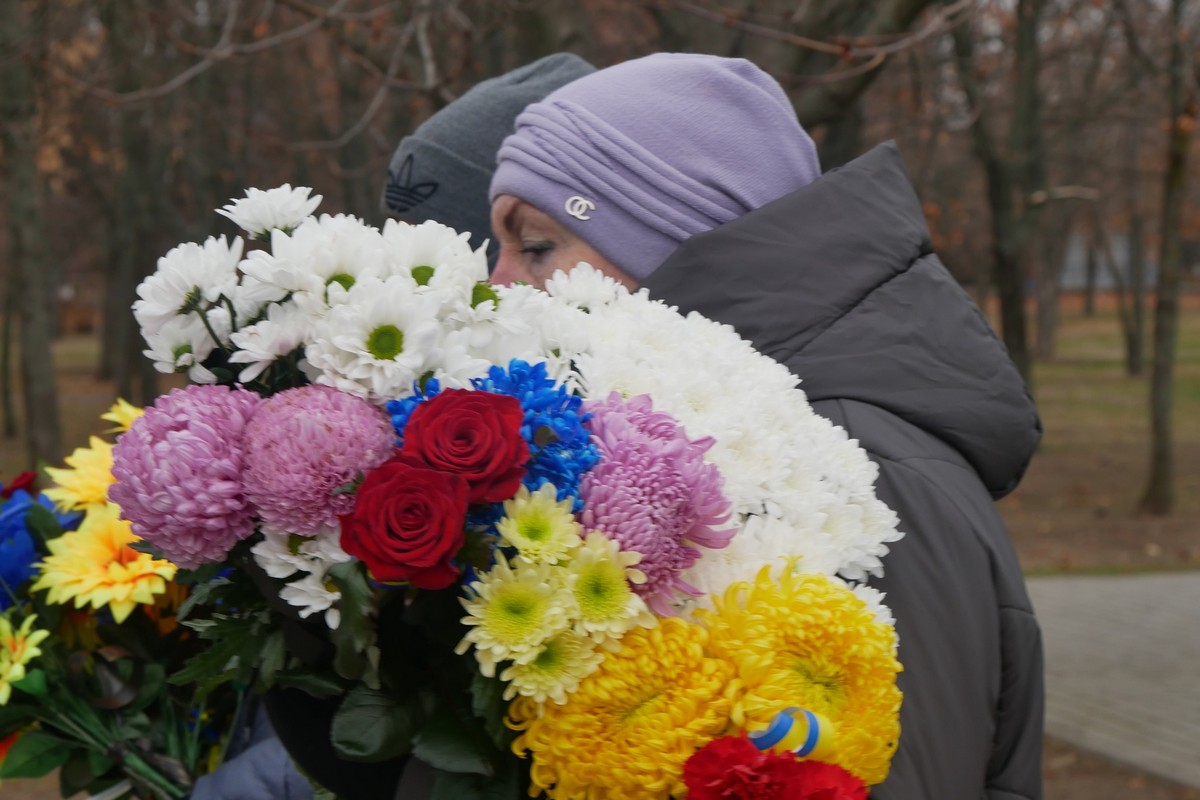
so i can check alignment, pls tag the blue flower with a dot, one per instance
(400, 410)
(18, 554)
(559, 442)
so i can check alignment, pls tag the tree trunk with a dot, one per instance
(6, 373)
(1135, 350)
(1089, 285)
(19, 144)
(1054, 241)
(1159, 498)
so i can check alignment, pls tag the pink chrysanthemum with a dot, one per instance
(305, 444)
(179, 473)
(653, 493)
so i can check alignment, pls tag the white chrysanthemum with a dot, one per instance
(540, 526)
(285, 329)
(604, 604)
(282, 554)
(799, 485)
(376, 343)
(555, 671)
(511, 614)
(181, 345)
(312, 594)
(873, 598)
(281, 208)
(584, 287)
(188, 278)
(321, 259)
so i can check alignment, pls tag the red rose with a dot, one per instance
(22, 481)
(407, 524)
(473, 434)
(732, 768)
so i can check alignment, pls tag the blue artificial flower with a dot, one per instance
(18, 555)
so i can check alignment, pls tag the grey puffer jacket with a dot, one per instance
(839, 282)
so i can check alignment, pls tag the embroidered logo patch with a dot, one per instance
(579, 207)
(401, 194)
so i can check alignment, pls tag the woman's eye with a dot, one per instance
(537, 248)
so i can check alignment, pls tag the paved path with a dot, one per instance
(1123, 667)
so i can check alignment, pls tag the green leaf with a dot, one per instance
(489, 705)
(373, 726)
(453, 741)
(316, 684)
(504, 785)
(274, 655)
(33, 683)
(76, 774)
(236, 647)
(354, 637)
(42, 524)
(201, 593)
(34, 755)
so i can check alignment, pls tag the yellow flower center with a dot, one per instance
(602, 592)
(515, 615)
(535, 528)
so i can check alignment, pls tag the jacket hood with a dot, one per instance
(839, 282)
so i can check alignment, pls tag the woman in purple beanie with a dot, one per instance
(689, 176)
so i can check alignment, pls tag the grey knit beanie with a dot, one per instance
(442, 171)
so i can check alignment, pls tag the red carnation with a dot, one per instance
(407, 524)
(732, 768)
(476, 435)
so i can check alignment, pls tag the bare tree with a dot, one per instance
(19, 140)
(1183, 70)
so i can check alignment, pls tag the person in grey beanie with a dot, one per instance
(690, 177)
(443, 169)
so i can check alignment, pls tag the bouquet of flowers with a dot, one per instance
(89, 636)
(567, 542)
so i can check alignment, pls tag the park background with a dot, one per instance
(1052, 143)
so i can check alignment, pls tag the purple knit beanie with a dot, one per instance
(636, 158)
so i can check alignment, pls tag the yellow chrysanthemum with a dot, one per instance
(555, 671)
(96, 565)
(85, 485)
(628, 728)
(512, 613)
(605, 604)
(123, 414)
(17, 648)
(804, 641)
(539, 526)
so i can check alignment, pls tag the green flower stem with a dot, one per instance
(208, 327)
(138, 766)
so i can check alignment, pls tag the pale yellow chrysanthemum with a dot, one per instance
(96, 565)
(123, 414)
(628, 728)
(804, 641)
(556, 671)
(85, 485)
(512, 613)
(17, 648)
(539, 526)
(605, 604)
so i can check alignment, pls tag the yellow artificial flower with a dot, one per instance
(628, 728)
(540, 526)
(804, 641)
(17, 648)
(124, 414)
(96, 565)
(85, 485)
(605, 604)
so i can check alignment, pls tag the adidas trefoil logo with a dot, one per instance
(402, 194)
